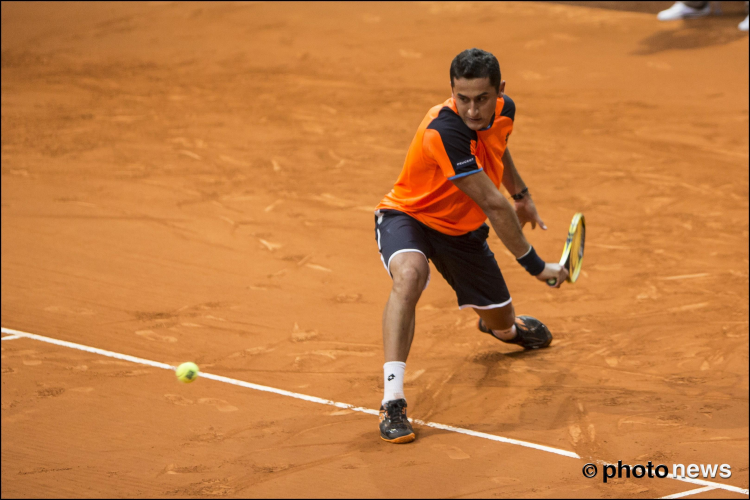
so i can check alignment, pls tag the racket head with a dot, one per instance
(572, 255)
(574, 245)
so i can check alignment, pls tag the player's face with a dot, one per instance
(475, 100)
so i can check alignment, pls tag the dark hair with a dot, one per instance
(476, 63)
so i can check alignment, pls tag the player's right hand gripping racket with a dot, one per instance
(572, 256)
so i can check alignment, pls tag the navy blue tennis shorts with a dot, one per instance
(466, 262)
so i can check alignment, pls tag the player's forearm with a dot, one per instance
(504, 221)
(501, 214)
(511, 178)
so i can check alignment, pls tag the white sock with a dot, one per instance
(508, 334)
(393, 380)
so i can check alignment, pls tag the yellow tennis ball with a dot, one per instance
(187, 372)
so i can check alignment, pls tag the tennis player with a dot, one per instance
(448, 188)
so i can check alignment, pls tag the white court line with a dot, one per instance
(691, 492)
(282, 392)
(12, 337)
(709, 483)
(313, 399)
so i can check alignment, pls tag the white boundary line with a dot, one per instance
(708, 485)
(282, 392)
(691, 492)
(12, 337)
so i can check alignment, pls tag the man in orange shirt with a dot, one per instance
(448, 187)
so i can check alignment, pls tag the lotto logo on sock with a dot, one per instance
(391, 377)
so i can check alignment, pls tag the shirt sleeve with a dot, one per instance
(449, 142)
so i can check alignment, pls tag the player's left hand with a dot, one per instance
(526, 212)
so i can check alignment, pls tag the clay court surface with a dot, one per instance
(196, 182)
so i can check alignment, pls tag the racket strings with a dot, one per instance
(576, 252)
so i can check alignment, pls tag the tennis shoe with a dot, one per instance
(530, 333)
(394, 426)
(744, 24)
(681, 11)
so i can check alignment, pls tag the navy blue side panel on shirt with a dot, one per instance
(456, 137)
(509, 108)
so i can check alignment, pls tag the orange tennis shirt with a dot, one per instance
(444, 149)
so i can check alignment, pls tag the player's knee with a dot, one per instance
(409, 281)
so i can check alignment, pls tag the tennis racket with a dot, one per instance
(572, 256)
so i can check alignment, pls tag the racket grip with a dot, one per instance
(552, 281)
